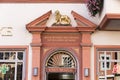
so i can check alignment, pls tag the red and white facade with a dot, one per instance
(92, 43)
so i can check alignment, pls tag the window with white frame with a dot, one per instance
(12, 64)
(108, 64)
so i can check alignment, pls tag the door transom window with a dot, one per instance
(60, 65)
(61, 59)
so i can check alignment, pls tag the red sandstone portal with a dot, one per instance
(61, 49)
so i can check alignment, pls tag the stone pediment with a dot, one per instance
(40, 24)
(40, 21)
(81, 21)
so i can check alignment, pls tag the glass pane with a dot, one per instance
(108, 65)
(101, 54)
(7, 71)
(19, 70)
(102, 65)
(20, 55)
(101, 71)
(114, 72)
(61, 59)
(115, 55)
(1, 55)
(7, 55)
(12, 56)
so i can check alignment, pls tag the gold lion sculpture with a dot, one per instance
(61, 19)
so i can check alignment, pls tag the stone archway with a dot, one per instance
(61, 65)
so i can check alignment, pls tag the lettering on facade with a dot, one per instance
(61, 70)
(6, 31)
(61, 38)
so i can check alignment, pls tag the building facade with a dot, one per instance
(37, 44)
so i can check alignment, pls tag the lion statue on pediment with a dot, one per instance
(61, 20)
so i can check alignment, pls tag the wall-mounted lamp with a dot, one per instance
(86, 72)
(35, 71)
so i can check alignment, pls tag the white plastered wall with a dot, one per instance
(106, 38)
(112, 6)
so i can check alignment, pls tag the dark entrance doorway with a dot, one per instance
(60, 76)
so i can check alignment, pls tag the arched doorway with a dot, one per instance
(61, 65)
(76, 38)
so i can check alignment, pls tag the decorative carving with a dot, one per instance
(61, 59)
(61, 20)
(61, 38)
(6, 31)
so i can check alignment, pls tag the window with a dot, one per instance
(12, 64)
(61, 59)
(108, 64)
